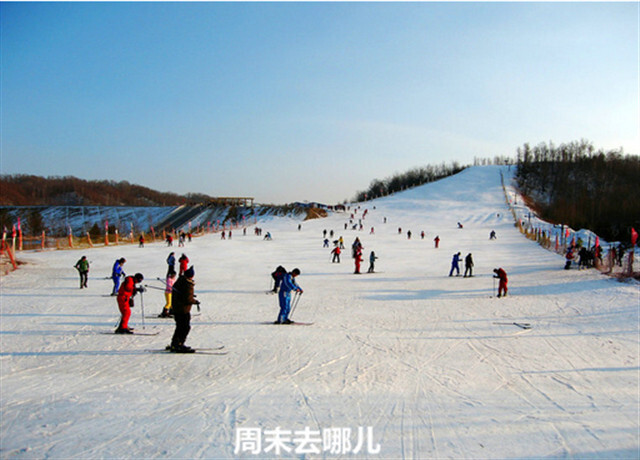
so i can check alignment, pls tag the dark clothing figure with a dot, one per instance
(277, 276)
(171, 262)
(436, 240)
(455, 264)
(468, 265)
(182, 298)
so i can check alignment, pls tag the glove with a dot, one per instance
(131, 302)
(142, 289)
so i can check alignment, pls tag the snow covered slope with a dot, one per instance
(406, 362)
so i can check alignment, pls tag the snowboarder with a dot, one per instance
(502, 276)
(454, 264)
(372, 261)
(125, 301)
(166, 310)
(182, 298)
(468, 265)
(83, 269)
(277, 276)
(284, 296)
(116, 273)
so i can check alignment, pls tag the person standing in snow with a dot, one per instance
(455, 264)
(372, 261)
(184, 263)
(436, 240)
(502, 276)
(171, 263)
(83, 269)
(182, 298)
(468, 265)
(168, 290)
(336, 254)
(284, 296)
(116, 273)
(125, 301)
(358, 260)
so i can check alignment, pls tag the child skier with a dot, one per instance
(284, 296)
(166, 310)
(372, 261)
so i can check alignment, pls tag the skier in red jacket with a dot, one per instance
(125, 300)
(502, 286)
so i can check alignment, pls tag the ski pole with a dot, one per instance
(154, 287)
(296, 300)
(494, 286)
(142, 308)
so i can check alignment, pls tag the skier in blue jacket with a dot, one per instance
(116, 273)
(287, 285)
(455, 265)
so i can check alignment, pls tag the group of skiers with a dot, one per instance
(468, 265)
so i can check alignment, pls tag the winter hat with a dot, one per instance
(190, 272)
(138, 277)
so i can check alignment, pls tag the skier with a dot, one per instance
(336, 254)
(166, 310)
(284, 296)
(83, 269)
(409, 235)
(125, 301)
(502, 276)
(277, 276)
(116, 273)
(141, 241)
(358, 260)
(171, 262)
(492, 235)
(454, 264)
(372, 261)
(437, 241)
(468, 265)
(184, 263)
(182, 298)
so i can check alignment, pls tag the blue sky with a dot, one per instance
(306, 101)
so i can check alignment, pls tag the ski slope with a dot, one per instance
(406, 362)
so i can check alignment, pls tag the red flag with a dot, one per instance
(634, 236)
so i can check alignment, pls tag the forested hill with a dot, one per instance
(26, 190)
(576, 185)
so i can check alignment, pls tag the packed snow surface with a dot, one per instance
(406, 362)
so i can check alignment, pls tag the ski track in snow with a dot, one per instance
(408, 351)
